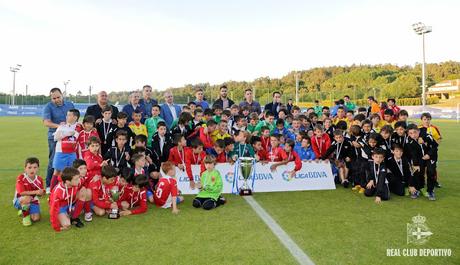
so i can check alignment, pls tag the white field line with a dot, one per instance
(286, 240)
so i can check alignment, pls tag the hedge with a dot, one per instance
(363, 102)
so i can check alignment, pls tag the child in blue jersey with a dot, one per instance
(305, 150)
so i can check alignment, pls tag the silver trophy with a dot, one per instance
(246, 169)
(114, 196)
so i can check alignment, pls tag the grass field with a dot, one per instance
(332, 227)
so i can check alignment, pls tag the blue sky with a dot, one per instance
(121, 45)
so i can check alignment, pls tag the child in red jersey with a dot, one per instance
(194, 156)
(320, 142)
(102, 189)
(276, 153)
(93, 160)
(219, 151)
(206, 132)
(167, 194)
(289, 156)
(63, 200)
(29, 186)
(84, 135)
(177, 153)
(260, 153)
(265, 138)
(85, 191)
(137, 195)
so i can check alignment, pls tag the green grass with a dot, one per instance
(333, 227)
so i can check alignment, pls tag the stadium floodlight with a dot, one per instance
(14, 69)
(422, 29)
(65, 88)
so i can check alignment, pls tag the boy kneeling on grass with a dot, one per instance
(29, 186)
(166, 194)
(101, 190)
(377, 182)
(137, 197)
(66, 203)
(209, 196)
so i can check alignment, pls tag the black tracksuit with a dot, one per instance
(398, 174)
(377, 173)
(428, 167)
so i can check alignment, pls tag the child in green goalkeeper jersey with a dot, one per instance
(209, 196)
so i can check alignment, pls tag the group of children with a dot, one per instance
(111, 165)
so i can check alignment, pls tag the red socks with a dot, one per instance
(78, 208)
(87, 207)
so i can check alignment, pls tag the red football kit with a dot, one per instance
(176, 156)
(61, 196)
(138, 199)
(194, 159)
(320, 144)
(26, 183)
(101, 193)
(276, 154)
(294, 157)
(82, 139)
(166, 189)
(93, 164)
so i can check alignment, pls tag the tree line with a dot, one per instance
(320, 83)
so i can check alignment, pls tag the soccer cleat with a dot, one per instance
(356, 188)
(89, 217)
(19, 213)
(361, 190)
(431, 196)
(415, 195)
(77, 222)
(345, 184)
(26, 221)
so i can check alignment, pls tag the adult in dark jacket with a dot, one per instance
(275, 105)
(96, 110)
(223, 101)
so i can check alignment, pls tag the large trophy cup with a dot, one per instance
(114, 195)
(246, 169)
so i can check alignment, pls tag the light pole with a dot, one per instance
(421, 29)
(65, 88)
(14, 69)
(297, 76)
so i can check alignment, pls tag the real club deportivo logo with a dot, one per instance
(418, 232)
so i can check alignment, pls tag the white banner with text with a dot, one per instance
(312, 176)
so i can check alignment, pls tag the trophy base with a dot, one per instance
(245, 192)
(114, 214)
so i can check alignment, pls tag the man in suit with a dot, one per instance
(169, 110)
(275, 105)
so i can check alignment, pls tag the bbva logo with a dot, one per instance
(306, 175)
(261, 176)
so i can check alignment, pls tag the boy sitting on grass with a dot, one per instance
(209, 196)
(166, 193)
(29, 186)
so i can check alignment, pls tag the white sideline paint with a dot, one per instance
(286, 240)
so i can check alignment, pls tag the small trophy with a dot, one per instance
(114, 195)
(246, 169)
